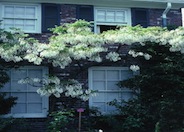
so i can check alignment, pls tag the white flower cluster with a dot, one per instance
(76, 42)
(54, 86)
(134, 68)
(136, 54)
(113, 56)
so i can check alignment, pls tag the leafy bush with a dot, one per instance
(159, 106)
(5, 103)
(60, 121)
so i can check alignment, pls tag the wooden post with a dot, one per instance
(80, 110)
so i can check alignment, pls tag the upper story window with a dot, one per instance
(26, 17)
(110, 18)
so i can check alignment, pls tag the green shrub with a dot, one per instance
(5, 102)
(160, 104)
(60, 121)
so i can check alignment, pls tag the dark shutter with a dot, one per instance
(140, 17)
(85, 12)
(50, 16)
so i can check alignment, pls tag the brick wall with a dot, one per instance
(68, 13)
(27, 125)
(174, 17)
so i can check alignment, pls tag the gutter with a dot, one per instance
(164, 14)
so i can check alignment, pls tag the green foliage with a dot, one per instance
(60, 120)
(5, 103)
(161, 85)
(5, 122)
(79, 26)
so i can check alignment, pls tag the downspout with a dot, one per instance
(164, 14)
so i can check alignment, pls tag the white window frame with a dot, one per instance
(37, 17)
(182, 12)
(97, 23)
(121, 90)
(45, 99)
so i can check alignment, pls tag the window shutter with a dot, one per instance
(85, 12)
(140, 17)
(50, 16)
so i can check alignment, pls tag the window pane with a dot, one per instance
(34, 97)
(30, 12)
(112, 85)
(111, 109)
(113, 95)
(101, 106)
(21, 97)
(31, 88)
(101, 15)
(30, 24)
(113, 75)
(19, 108)
(125, 74)
(99, 85)
(34, 108)
(9, 11)
(6, 87)
(8, 23)
(19, 24)
(17, 87)
(127, 95)
(18, 74)
(120, 16)
(100, 97)
(35, 73)
(99, 75)
(110, 16)
(19, 12)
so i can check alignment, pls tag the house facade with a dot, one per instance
(36, 16)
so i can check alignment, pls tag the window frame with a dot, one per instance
(182, 13)
(37, 17)
(105, 68)
(44, 102)
(97, 24)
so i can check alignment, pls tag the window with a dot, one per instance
(182, 11)
(111, 17)
(104, 79)
(29, 102)
(27, 17)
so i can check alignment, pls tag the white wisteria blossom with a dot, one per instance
(147, 56)
(76, 41)
(113, 56)
(136, 54)
(53, 85)
(134, 68)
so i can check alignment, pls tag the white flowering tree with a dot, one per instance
(76, 41)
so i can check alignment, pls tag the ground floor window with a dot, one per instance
(105, 79)
(29, 102)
